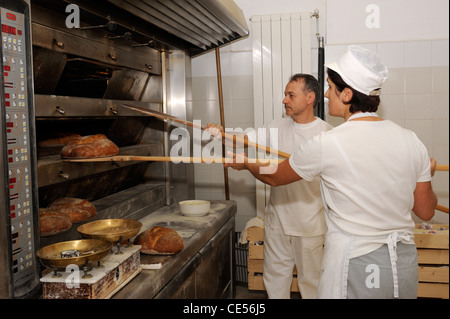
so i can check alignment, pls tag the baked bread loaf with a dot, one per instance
(52, 222)
(59, 140)
(77, 209)
(97, 145)
(160, 240)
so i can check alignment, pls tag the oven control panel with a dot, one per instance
(18, 160)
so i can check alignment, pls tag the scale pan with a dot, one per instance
(88, 250)
(112, 230)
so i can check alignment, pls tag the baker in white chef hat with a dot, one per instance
(373, 174)
(362, 72)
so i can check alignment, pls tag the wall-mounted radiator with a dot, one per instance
(281, 48)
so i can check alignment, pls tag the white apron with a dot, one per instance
(338, 244)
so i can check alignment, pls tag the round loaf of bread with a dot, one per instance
(77, 209)
(160, 240)
(97, 145)
(52, 222)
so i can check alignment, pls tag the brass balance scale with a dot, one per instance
(105, 268)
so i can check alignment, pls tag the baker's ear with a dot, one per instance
(346, 95)
(311, 97)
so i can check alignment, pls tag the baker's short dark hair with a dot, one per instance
(359, 101)
(310, 85)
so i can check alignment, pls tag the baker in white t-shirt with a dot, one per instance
(373, 174)
(294, 222)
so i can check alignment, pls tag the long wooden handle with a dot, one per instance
(243, 141)
(177, 159)
(125, 158)
(129, 158)
(442, 208)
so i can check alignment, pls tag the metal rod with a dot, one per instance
(167, 167)
(222, 118)
(110, 25)
(320, 112)
(321, 79)
(315, 14)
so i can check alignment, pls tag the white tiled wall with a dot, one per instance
(237, 87)
(415, 96)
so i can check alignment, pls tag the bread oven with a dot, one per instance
(90, 58)
(82, 77)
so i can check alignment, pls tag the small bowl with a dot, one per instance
(195, 207)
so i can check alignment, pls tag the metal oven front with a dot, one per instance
(76, 80)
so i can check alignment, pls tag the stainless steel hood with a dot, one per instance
(203, 23)
(195, 26)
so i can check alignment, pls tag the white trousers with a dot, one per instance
(281, 253)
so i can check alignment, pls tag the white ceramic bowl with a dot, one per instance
(194, 207)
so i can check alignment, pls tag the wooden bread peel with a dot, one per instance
(232, 137)
(127, 158)
(177, 159)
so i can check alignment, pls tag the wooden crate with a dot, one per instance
(255, 237)
(432, 250)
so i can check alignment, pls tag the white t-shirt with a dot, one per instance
(297, 208)
(368, 172)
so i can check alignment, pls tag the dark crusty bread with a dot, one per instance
(52, 222)
(77, 209)
(160, 240)
(97, 145)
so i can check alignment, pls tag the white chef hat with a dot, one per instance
(361, 69)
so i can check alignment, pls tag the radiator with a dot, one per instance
(281, 48)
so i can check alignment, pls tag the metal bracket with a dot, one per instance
(110, 25)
